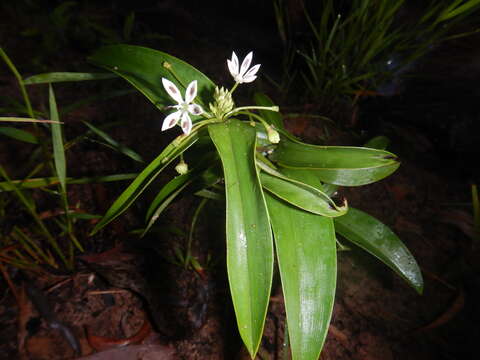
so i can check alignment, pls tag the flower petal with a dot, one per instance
(186, 123)
(195, 109)
(246, 63)
(172, 90)
(191, 92)
(171, 120)
(249, 79)
(251, 74)
(233, 64)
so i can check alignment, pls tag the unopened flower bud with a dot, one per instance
(273, 135)
(182, 167)
(223, 102)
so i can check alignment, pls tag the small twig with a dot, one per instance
(101, 343)
(438, 279)
(58, 284)
(103, 292)
(455, 307)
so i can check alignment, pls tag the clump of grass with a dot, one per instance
(350, 47)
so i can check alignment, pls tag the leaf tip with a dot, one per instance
(391, 157)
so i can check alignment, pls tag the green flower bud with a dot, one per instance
(223, 102)
(182, 167)
(273, 135)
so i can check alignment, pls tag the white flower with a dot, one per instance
(241, 74)
(183, 107)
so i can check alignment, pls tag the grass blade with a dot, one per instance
(18, 134)
(54, 77)
(114, 144)
(57, 142)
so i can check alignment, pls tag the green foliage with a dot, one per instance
(352, 46)
(125, 60)
(275, 187)
(31, 248)
(307, 259)
(338, 165)
(249, 237)
(376, 238)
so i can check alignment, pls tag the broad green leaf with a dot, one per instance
(50, 181)
(306, 252)
(249, 237)
(378, 142)
(18, 134)
(144, 69)
(114, 144)
(373, 236)
(339, 165)
(271, 117)
(172, 151)
(57, 141)
(65, 76)
(300, 194)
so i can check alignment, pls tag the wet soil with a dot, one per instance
(129, 291)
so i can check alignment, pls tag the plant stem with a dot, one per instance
(233, 87)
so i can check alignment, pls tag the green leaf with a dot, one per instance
(165, 196)
(18, 134)
(115, 145)
(373, 236)
(29, 120)
(175, 186)
(249, 237)
(57, 141)
(172, 151)
(84, 216)
(339, 165)
(465, 8)
(378, 142)
(66, 76)
(144, 69)
(271, 117)
(301, 195)
(306, 252)
(50, 181)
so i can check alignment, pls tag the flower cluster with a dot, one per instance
(223, 98)
(223, 102)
